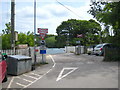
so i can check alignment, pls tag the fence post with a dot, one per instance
(29, 52)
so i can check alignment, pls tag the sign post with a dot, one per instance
(43, 51)
(42, 32)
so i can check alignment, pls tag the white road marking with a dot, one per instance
(20, 84)
(60, 76)
(35, 74)
(27, 80)
(53, 60)
(24, 79)
(10, 82)
(30, 76)
(43, 74)
(36, 79)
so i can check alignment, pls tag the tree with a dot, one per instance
(22, 38)
(6, 37)
(109, 14)
(25, 39)
(88, 29)
(50, 42)
(6, 43)
(30, 39)
(8, 28)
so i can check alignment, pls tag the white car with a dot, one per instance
(99, 49)
(90, 49)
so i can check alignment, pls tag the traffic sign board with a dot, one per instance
(42, 30)
(42, 35)
(42, 51)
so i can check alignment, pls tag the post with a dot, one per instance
(34, 34)
(66, 48)
(29, 52)
(67, 44)
(43, 51)
(12, 25)
(42, 59)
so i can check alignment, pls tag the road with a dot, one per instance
(70, 71)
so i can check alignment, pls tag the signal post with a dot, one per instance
(43, 32)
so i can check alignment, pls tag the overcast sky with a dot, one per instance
(50, 14)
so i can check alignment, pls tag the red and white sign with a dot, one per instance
(42, 35)
(79, 35)
(42, 30)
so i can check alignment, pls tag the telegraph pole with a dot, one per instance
(12, 25)
(34, 34)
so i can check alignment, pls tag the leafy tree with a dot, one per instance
(22, 38)
(60, 41)
(8, 28)
(89, 30)
(109, 14)
(50, 42)
(25, 39)
(30, 39)
(6, 42)
(6, 37)
(49, 35)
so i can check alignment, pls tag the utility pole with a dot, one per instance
(12, 25)
(34, 34)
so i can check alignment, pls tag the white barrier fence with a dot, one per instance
(75, 49)
(27, 52)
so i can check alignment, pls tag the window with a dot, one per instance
(99, 46)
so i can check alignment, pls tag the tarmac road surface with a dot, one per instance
(69, 71)
(82, 71)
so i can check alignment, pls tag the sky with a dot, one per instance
(49, 13)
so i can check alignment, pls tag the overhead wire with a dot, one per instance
(68, 8)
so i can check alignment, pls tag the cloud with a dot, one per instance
(51, 0)
(44, 12)
(56, 10)
(49, 15)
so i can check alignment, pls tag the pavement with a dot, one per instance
(26, 79)
(69, 71)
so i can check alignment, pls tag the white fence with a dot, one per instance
(70, 49)
(18, 51)
(27, 52)
(73, 49)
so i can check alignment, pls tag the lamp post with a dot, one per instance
(67, 41)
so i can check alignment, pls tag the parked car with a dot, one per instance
(99, 49)
(3, 68)
(90, 49)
